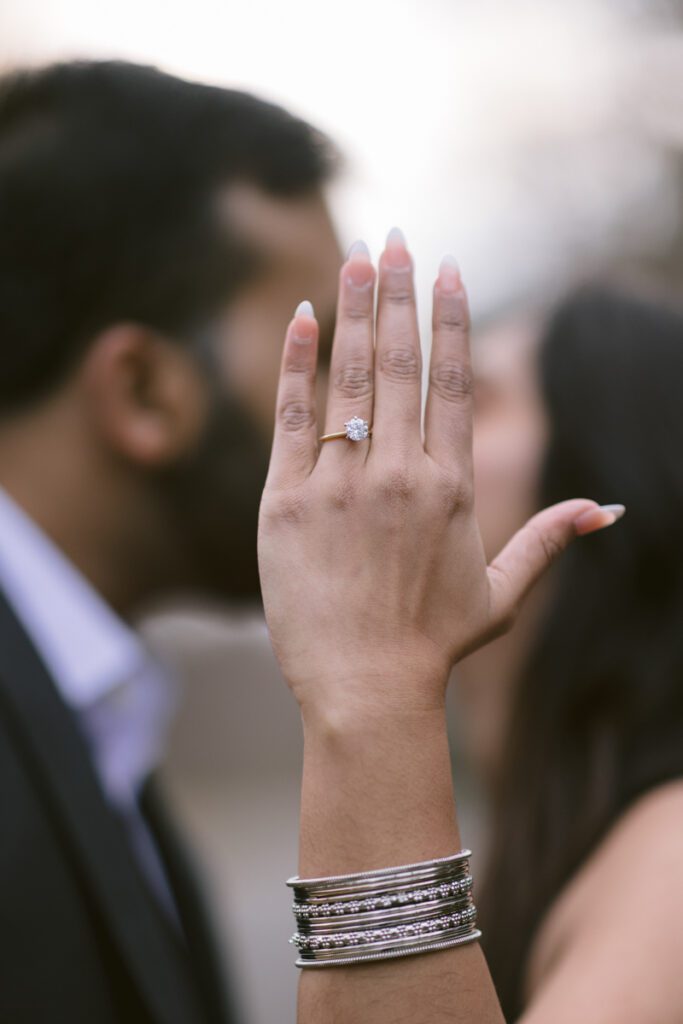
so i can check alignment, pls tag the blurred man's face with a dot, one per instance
(298, 237)
(212, 496)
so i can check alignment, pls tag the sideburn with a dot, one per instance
(211, 501)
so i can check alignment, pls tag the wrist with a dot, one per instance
(346, 695)
(368, 715)
(377, 788)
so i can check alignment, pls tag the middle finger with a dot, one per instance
(350, 391)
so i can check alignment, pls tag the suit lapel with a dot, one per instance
(63, 769)
(197, 920)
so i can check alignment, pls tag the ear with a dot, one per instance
(144, 394)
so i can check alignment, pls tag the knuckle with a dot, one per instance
(397, 484)
(400, 295)
(550, 545)
(400, 363)
(296, 415)
(452, 379)
(357, 311)
(505, 612)
(290, 506)
(551, 548)
(342, 495)
(453, 315)
(456, 494)
(354, 380)
(300, 370)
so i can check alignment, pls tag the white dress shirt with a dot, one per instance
(122, 697)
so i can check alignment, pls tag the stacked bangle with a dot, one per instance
(388, 912)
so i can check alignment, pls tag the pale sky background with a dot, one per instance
(530, 138)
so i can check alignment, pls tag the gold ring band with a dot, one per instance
(340, 433)
(332, 437)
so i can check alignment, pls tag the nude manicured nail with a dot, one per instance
(304, 332)
(396, 237)
(449, 274)
(616, 510)
(395, 252)
(598, 518)
(358, 250)
(304, 308)
(360, 273)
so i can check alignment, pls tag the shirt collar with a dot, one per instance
(88, 649)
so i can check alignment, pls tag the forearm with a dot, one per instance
(376, 792)
(376, 552)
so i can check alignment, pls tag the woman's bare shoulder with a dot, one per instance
(626, 901)
(651, 828)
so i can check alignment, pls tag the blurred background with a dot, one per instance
(539, 142)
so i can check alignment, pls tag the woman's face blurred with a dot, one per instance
(509, 429)
(510, 435)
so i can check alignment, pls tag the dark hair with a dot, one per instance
(109, 173)
(598, 716)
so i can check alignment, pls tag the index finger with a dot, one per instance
(295, 443)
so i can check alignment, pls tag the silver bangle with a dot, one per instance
(418, 912)
(425, 871)
(389, 954)
(386, 912)
(349, 906)
(406, 931)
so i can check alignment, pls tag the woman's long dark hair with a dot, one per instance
(598, 716)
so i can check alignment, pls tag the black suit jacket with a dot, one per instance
(82, 937)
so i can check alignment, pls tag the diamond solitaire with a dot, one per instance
(357, 429)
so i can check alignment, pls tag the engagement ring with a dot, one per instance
(357, 429)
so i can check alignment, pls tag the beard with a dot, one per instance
(210, 503)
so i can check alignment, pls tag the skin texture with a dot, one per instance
(375, 582)
(117, 464)
(589, 962)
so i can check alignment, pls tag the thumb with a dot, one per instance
(535, 547)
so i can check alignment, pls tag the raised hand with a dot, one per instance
(373, 571)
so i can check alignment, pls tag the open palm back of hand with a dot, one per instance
(372, 567)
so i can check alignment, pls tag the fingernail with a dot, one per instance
(395, 252)
(358, 250)
(598, 518)
(449, 274)
(396, 237)
(304, 332)
(359, 270)
(616, 510)
(304, 308)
